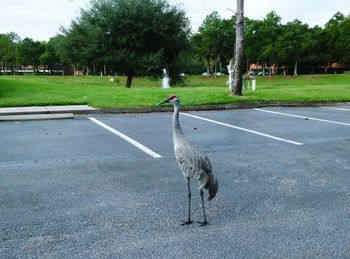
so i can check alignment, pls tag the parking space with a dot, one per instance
(75, 188)
(59, 139)
(151, 130)
(299, 129)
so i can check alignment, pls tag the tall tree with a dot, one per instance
(294, 42)
(332, 30)
(29, 52)
(213, 41)
(74, 45)
(253, 40)
(59, 44)
(269, 31)
(50, 58)
(207, 40)
(238, 60)
(8, 50)
(344, 41)
(137, 37)
(316, 54)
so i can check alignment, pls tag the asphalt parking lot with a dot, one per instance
(76, 188)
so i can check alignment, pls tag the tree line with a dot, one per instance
(142, 37)
(268, 42)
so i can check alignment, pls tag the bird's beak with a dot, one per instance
(166, 101)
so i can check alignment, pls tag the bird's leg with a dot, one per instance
(205, 222)
(189, 221)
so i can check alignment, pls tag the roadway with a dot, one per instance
(107, 185)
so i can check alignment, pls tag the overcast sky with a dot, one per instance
(41, 19)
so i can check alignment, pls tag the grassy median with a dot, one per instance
(100, 92)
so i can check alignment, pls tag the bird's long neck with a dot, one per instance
(177, 131)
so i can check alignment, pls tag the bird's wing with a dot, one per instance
(193, 162)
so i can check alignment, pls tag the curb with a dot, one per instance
(233, 106)
(29, 110)
(31, 117)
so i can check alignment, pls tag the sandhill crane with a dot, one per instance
(192, 161)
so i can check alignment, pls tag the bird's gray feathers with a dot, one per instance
(212, 187)
(193, 162)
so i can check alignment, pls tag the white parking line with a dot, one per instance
(303, 117)
(244, 129)
(334, 108)
(128, 139)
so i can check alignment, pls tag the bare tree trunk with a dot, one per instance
(296, 68)
(208, 66)
(239, 62)
(230, 70)
(128, 81)
(330, 68)
(215, 67)
(14, 68)
(263, 69)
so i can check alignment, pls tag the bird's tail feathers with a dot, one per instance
(212, 186)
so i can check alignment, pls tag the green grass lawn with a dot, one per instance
(99, 92)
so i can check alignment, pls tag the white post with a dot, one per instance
(230, 75)
(254, 84)
(165, 80)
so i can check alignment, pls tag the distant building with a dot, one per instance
(330, 68)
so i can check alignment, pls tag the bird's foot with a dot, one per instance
(186, 222)
(201, 224)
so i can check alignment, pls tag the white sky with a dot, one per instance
(41, 19)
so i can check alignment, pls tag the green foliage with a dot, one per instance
(29, 52)
(213, 42)
(8, 49)
(343, 41)
(268, 33)
(293, 43)
(131, 37)
(252, 40)
(332, 30)
(317, 52)
(50, 57)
